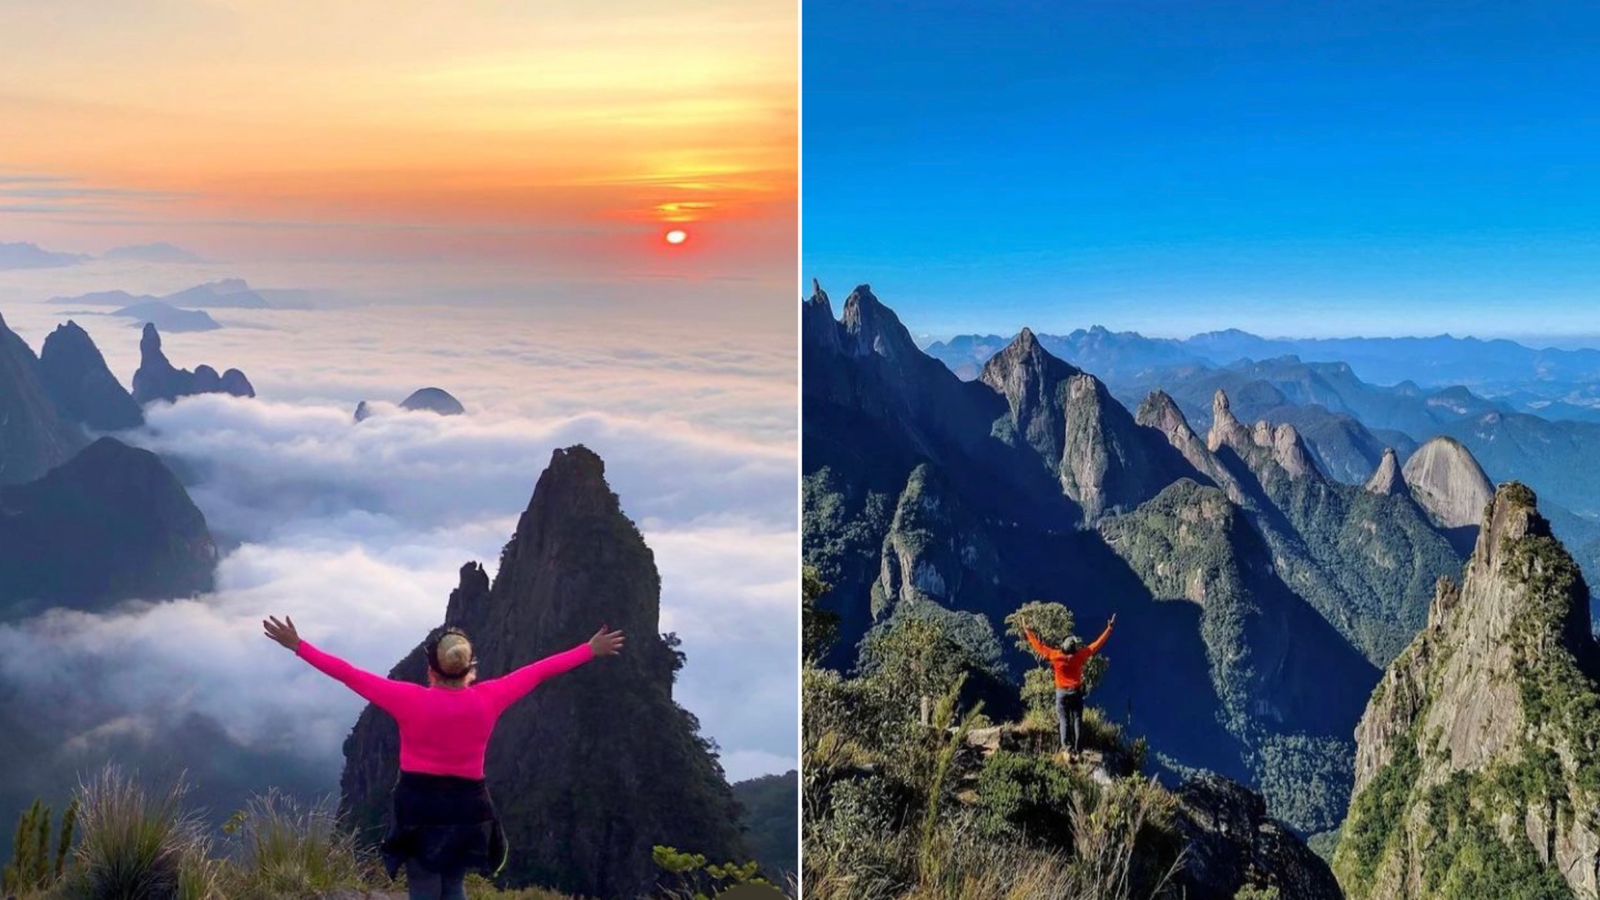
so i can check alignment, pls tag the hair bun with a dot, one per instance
(454, 655)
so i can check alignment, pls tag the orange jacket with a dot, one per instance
(1068, 666)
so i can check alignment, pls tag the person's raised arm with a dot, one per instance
(508, 689)
(384, 692)
(1039, 646)
(1104, 636)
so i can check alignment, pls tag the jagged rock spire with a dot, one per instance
(1502, 678)
(575, 562)
(75, 373)
(1226, 430)
(1386, 480)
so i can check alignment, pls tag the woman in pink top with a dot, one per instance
(444, 821)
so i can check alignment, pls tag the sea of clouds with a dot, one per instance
(358, 530)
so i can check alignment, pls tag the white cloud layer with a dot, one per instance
(357, 530)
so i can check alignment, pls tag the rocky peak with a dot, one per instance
(817, 324)
(34, 435)
(1496, 702)
(575, 562)
(1289, 451)
(1386, 480)
(1032, 382)
(434, 400)
(1161, 412)
(1226, 429)
(873, 328)
(1447, 481)
(819, 297)
(80, 382)
(1281, 444)
(110, 524)
(158, 379)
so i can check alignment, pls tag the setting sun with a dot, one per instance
(677, 236)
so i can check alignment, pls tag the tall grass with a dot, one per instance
(288, 849)
(137, 845)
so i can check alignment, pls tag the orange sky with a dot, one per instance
(562, 134)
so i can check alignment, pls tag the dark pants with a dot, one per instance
(1069, 718)
(426, 884)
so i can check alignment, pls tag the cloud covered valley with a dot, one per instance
(357, 530)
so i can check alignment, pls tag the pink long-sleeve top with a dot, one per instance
(445, 731)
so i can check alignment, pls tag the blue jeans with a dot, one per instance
(426, 884)
(1069, 718)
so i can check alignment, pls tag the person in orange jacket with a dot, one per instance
(1068, 663)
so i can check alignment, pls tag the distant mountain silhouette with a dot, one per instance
(159, 252)
(82, 385)
(158, 379)
(167, 317)
(229, 293)
(110, 524)
(34, 435)
(32, 256)
(432, 399)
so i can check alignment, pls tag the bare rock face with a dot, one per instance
(158, 379)
(34, 436)
(1387, 481)
(1479, 744)
(1264, 445)
(1446, 479)
(1161, 412)
(82, 385)
(1226, 429)
(594, 768)
(1232, 843)
(935, 552)
(1105, 461)
(872, 328)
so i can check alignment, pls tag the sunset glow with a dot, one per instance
(537, 134)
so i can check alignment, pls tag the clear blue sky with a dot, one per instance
(1294, 168)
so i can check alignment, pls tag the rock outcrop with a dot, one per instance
(434, 400)
(1231, 842)
(935, 552)
(158, 379)
(1387, 481)
(1104, 460)
(81, 383)
(1260, 445)
(595, 768)
(1478, 772)
(110, 524)
(34, 437)
(1446, 479)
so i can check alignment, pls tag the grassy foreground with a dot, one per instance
(116, 841)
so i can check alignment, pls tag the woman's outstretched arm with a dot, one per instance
(386, 693)
(508, 689)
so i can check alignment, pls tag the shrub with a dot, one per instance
(286, 849)
(136, 844)
(33, 865)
